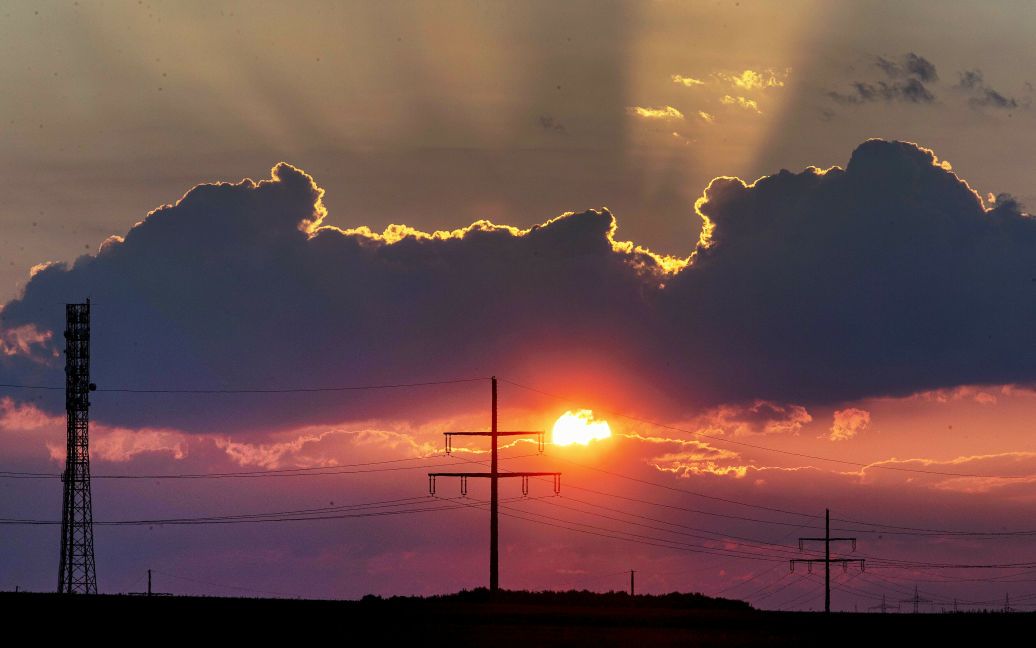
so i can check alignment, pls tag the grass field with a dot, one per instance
(473, 620)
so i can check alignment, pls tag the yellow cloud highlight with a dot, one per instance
(743, 102)
(687, 82)
(752, 80)
(641, 258)
(665, 113)
(706, 117)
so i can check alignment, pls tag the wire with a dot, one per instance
(285, 472)
(288, 390)
(761, 447)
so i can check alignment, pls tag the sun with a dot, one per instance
(579, 427)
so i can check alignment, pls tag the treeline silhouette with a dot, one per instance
(574, 598)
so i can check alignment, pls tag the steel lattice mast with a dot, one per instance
(77, 570)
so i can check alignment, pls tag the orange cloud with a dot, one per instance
(21, 340)
(848, 423)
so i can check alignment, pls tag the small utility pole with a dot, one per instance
(494, 476)
(149, 582)
(633, 590)
(827, 560)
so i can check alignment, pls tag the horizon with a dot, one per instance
(741, 264)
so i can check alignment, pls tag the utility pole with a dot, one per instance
(149, 582)
(494, 476)
(1007, 603)
(827, 560)
(633, 590)
(916, 600)
(77, 571)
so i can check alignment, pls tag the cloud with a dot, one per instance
(548, 123)
(909, 65)
(743, 102)
(910, 91)
(25, 340)
(966, 392)
(906, 80)
(759, 417)
(1015, 473)
(663, 113)
(752, 80)
(687, 82)
(848, 423)
(886, 278)
(982, 96)
(706, 117)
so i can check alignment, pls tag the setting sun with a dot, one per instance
(579, 427)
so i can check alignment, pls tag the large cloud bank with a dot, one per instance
(885, 278)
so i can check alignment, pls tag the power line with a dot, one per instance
(286, 390)
(330, 469)
(761, 447)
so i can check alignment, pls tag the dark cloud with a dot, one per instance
(907, 79)
(971, 79)
(887, 277)
(909, 65)
(982, 96)
(910, 90)
(875, 279)
(548, 123)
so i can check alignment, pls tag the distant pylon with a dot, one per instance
(77, 572)
(883, 608)
(916, 600)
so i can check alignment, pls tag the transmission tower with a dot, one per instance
(827, 560)
(883, 608)
(916, 600)
(77, 571)
(494, 477)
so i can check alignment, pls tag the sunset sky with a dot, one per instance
(782, 248)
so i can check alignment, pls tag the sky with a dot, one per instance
(783, 249)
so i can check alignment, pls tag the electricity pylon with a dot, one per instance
(916, 600)
(77, 572)
(883, 608)
(827, 560)
(494, 476)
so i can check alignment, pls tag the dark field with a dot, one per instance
(470, 620)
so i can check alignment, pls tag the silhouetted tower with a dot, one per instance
(883, 608)
(633, 590)
(494, 476)
(827, 560)
(77, 571)
(1007, 603)
(916, 600)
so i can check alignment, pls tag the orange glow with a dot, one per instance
(579, 427)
